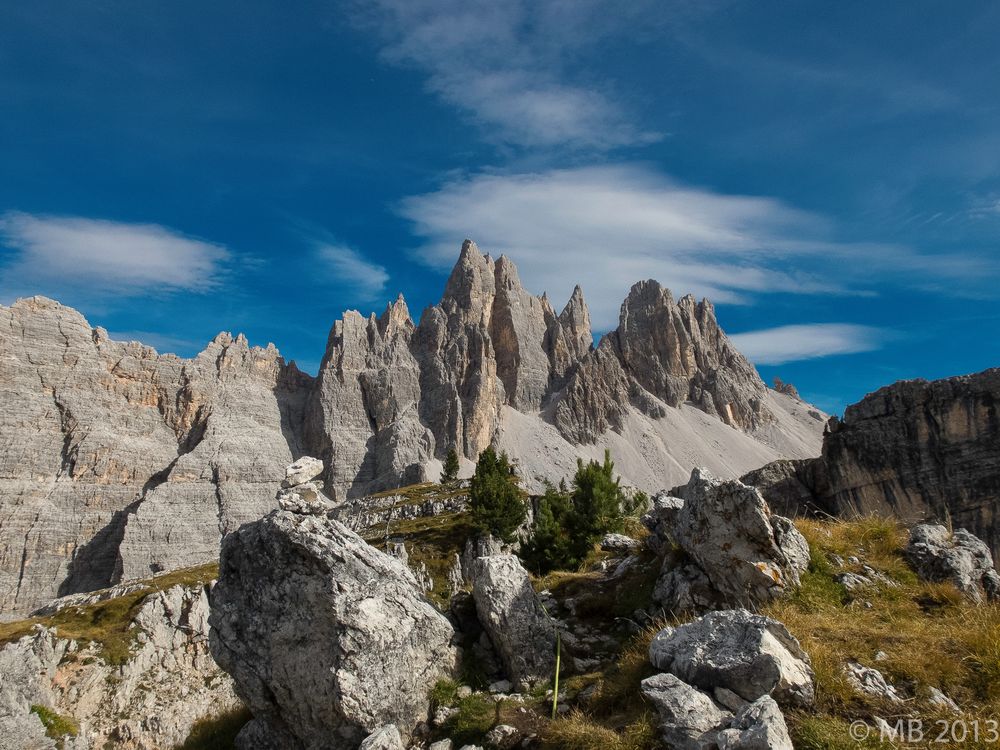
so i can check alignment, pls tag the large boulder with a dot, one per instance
(510, 612)
(748, 554)
(749, 654)
(960, 557)
(327, 638)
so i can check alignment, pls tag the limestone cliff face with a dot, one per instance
(117, 462)
(915, 449)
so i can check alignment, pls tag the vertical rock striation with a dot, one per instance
(116, 461)
(915, 450)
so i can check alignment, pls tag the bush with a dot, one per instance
(495, 500)
(568, 524)
(450, 473)
(56, 725)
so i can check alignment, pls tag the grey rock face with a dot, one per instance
(959, 557)
(913, 450)
(383, 738)
(742, 553)
(301, 471)
(327, 639)
(117, 462)
(749, 654)
(759, 726)
(510, 613)
(619, 543)
(113, 703)
(689, 719)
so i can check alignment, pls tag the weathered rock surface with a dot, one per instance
(758, 726)
(150, 701)
(689, 718)
(511, 614)
(384, 738)
(117, 462)
(741, 554)
(327, 639)
(870, 681)
(916, 450)
(749, 654)
(959, 557)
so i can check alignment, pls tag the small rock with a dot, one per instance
(758, 726)
(871, 681)
(441, 745)
(620, 543)
(464, 691)
(503, 737)
(442, 714)
(727, 698)
(942, 701)
(501, 686)
(383, 738)
(301, 471)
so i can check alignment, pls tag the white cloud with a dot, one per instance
(606, 227)
(106, 256)
(351, 269)
(775, 346)
(505, 64)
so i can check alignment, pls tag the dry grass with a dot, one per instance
(929, 635)
(107, 623)
(433, 541)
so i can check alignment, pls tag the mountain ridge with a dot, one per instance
(117, 462)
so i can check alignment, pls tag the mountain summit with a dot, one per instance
(117, 462)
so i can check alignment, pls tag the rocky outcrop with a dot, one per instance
(750, 655)
(150, 700)
(511, 614)
(740, 553)
(722, 677)
(959, 557)
(326, 638)
(914, 450)
(117, 462)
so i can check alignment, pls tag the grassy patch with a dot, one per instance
(416, 494)
(433, 541)
(579, 731)
(107, 623)
(217, 732)
(475, 716)
(56, 725)
(927, 635)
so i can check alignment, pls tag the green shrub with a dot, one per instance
(56, 725)
(494, 498)
(451, 466)
(568, 524)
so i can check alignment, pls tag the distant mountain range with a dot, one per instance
(117, 462)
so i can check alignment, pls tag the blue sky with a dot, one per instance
(828, 173)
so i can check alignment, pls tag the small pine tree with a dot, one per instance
(597, 503)
(450, 473)
(497, 507)
(550, 545)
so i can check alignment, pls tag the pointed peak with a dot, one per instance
(469, 251)
(506, 274)
(471, 277)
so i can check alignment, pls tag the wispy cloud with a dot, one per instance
(505, 64)
(353, 270)
(775, 346)
(606, 227)
(100, 257)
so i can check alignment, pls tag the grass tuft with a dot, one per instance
(56, 725)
